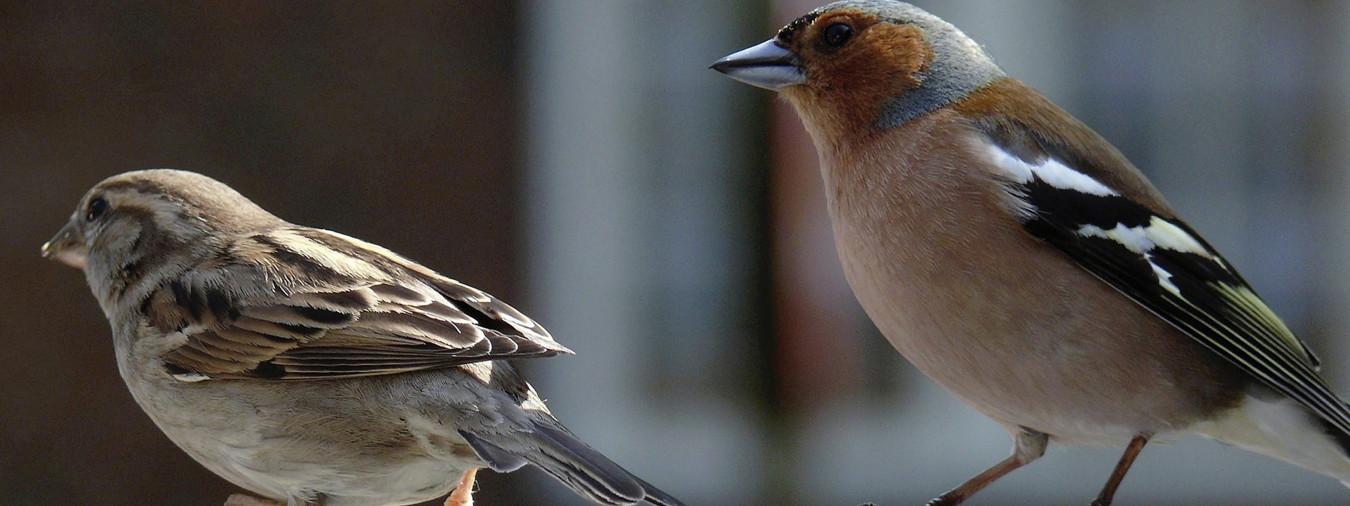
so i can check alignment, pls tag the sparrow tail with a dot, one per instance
(555, 450)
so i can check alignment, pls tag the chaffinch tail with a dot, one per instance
(1018, 259)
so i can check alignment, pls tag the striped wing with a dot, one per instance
(301, 303)
(1163, 265)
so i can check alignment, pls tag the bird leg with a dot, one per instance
(463, 494)
(248, 500)
(1028, 445)
(1109, 490)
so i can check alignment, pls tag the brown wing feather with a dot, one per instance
(1028, 124)
(311, 304)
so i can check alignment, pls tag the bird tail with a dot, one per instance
(555, 450)
(1279, 427)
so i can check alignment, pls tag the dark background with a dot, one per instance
(372, 120)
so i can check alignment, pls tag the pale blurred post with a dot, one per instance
(641, 240)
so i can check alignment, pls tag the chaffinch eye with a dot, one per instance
(97, 208)
(837, 34)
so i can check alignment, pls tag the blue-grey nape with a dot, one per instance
(959, 66)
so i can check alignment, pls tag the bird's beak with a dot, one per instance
(767, 65)
(67, 247)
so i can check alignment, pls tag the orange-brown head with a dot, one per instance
(863, 66)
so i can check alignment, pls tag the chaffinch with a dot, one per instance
(1018, 259)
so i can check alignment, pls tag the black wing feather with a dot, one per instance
(1196, 291)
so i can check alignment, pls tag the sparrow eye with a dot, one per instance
(837, 34)
(97, 207)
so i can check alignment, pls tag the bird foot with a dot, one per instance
(463, 494)
(945, 501)
(457, 499)
(248, 500)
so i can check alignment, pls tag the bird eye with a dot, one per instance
(837, 34)
(97, 207)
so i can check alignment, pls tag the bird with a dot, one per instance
(1018, 259)
(313, 368)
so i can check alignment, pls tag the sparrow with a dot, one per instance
(312, 368)
(1019, 260)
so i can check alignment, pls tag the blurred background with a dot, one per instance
(577, 159)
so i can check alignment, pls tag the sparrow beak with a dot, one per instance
(767, 65)
(67, 247)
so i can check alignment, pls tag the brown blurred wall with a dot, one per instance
(393, 122)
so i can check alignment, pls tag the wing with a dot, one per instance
(299, 303)
(1160, 263)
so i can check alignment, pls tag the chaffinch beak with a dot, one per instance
(767, 65)
(66, 247)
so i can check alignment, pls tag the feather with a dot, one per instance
(1163, 265)
(328, 306)
(554, 449)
